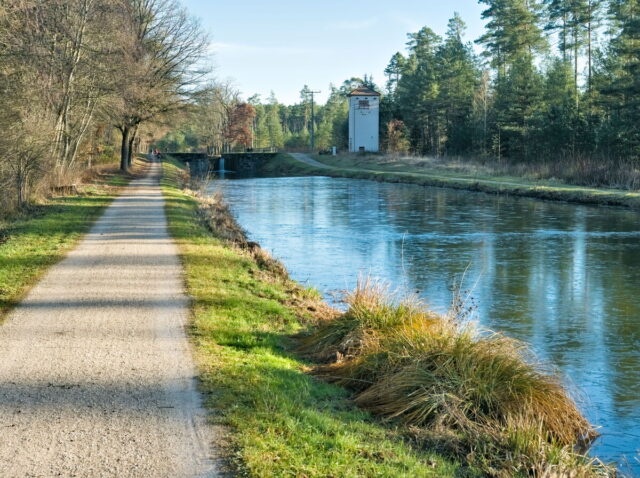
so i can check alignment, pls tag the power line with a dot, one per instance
(313, 120)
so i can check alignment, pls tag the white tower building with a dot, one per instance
(364, 120)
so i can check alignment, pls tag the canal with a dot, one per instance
(564, 278)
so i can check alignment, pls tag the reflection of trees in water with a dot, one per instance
(547, 273)
(541, 276)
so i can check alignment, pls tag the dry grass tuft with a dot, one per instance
(359, 329)
(483, 391)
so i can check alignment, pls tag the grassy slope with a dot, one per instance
(348, 166)
(31, 244)
(283, 421)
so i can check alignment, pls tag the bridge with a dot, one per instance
(247, 162)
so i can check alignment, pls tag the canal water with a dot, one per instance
(562, 277)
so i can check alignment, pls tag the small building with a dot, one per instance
(364, 120)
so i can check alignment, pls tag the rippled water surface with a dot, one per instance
(564, 278)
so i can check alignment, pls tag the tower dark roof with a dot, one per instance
(364, 91)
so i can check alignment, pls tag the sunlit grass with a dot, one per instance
(283, 421)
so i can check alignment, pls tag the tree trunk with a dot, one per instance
(124, 149)
(564, 36)
(575, 62)
(22, 183)
(589, 39)
(132, 139)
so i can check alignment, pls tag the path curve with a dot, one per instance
(96, 375)
(304, 158)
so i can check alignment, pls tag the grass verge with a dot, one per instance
(283, 421)
(41, 236)
(399, 172)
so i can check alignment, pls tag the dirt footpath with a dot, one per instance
(305, 158)
(96, 377)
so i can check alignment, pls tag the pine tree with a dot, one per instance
(513, 31)
(274, 127)
(260, 136)
(558, 22)
(482, 106)
(622, 94)
(393, 72)
(557, 124)
(575, 22)
(593, 19)
(458, 77)
(513, 38)
(518, 100)
(418, 90)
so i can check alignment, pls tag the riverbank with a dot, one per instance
(379, 168)
(282, 421)
(41, 236)
(243, 350)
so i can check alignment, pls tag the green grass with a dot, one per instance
(376, 169)
(42, 236)
(283, 421)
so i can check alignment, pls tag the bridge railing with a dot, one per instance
(192, 156)
(271, 149)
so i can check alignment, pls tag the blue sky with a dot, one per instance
(283, 45)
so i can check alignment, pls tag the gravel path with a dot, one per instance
(96, 377)
(304, 158)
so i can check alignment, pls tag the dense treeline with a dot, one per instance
(523, 100)
(557, 82)
(220, 121)
(74, 71)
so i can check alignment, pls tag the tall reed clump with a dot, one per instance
(479, 395)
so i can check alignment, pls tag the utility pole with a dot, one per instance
(313, 121)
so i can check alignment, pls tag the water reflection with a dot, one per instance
(564, 278)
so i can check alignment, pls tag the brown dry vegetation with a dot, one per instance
(579, 171)
(478, 395)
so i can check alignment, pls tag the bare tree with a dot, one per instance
(213, 106)
(24, 120)
(65, 43)
(160, 50)
(239, 130)
(24, 151)
(67, 66)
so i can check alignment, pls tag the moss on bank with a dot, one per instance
(349, 167)
(283, 421)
